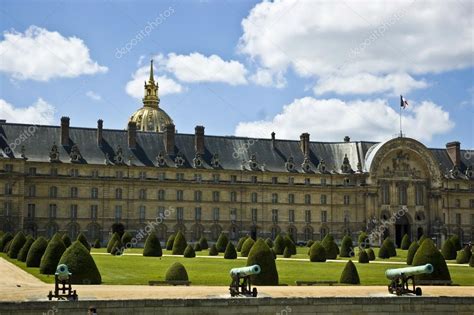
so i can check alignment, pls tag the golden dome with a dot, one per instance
(151, 117)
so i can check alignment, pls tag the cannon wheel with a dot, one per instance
(418, 291)
(254, 292)
(50, 295)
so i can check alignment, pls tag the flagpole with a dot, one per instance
(400, 110)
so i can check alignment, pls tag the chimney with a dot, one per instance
(273, 139)
(347, 139)
(304, 143)
(132, 134)
(100, 123)
(65, 131)
(454, 152)
(169, 138)
(199, 139)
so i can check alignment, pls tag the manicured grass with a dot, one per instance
(215, 271)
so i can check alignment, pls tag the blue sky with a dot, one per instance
(245, 67)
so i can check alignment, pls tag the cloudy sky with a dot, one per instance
(330, 68)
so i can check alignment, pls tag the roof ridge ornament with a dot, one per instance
(151, 98)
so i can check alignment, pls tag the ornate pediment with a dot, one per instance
(54, 153)
(75, 155)
(198, 161)
(119, 158)
(290, 164)
(160, 160)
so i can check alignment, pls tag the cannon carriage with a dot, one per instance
(401, 277)
(241, 283)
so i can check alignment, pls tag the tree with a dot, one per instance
(262, 255)
(26, 247)
(169, 242)
(179, 244)
(197, 247)
(203, 243)
(279, 245)
(456, 242)
(246, 247)
(405, 242)
(189, 252)
(290, 245)
(52, 255)
(330, 246)
(448, 250)
(36, 251)
(213, 250)
(230, 252)
(347, 247)
(317, 253)
(115, 237)
(16, 245)
(349, 274)
(176, 272)
(152, 246)
(429, 254)
(80, 264)
(464, 255)
(363, 240)
(66, 240)
(83, 239)
(363, 257)
(221, 243)
(412, 251)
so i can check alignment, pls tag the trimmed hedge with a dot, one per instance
(286, 252)
(197, 247)
(422, 239)
(152, 246)
(347, 247)
(189, 252)
(363, 240)
(7, 246)
(309, 243)
(456, 242)
(392, 251)
(464, 255)
(429, 254)
(412, 251)
(97, 244)
(176, 272)
(203, 243)
(269, 242)
(26, 247)
(262, 255)
(246, 247)
(83, 239)
(241, 242)
(370, 253)
(279, 245)
(115, 237)
(221, 243)
(350, 275)
(290, 244)
(448, 250)
(7, 237)
(471, 261)
(126, 238)
(384, 252)
(33, 258)
(81, 265)
(317, 253)
(213, 250)
(117, 248)
(330, 246)
(52, 255)
(179, 244)
(16, 245)
(363, 257)
(230, 252)
(169, 242)
(406, 242)
(66, 240)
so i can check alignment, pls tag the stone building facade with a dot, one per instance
(63, 178)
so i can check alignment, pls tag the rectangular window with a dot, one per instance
(323, 181)
(419, 195)
(53, 192)
(74, 172)
(94, 210)
(119, 174)
(323, 199)
(291, 216)
(197, 213)
(274, 180)
(161, 195)
(307, 216)
(274, 198)
(32, 171)
(179, 195)
(275, 215)
(180, 214)
(161, 212)
(8, 208)
(254, 197)
(233, 214)
(118, 213)
(307, 199)
(385, 194)
(94, 193)
(141, 213)
(444, 218)
(32, 191)
(179, 177)
(142, 194)
(53, 171)
(53, 209)
(73, 192)
(118, 193)
(233, 196)
(307, 181)
(457, 203)
(233, 179)
(95, 174)
(471, 203)
(254, 215)
(215, 214)
(215, 196)
(291, 180)
(347, 199)
(402, 194)
(215, 178)
(142, 175)
(8, 168)
(161, 176)
(73, 212)
(324, 216)
(458, 218)
(472, 220)
(197, 178)
(291, 198)
(198, 196)
(8, 189)
(31, 211)
(253, 179)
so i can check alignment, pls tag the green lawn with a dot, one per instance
(215, 271)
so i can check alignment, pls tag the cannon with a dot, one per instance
(241, 283)
(401, 276)
(62, 285)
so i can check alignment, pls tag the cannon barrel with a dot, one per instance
(246, 271)
(408, 271)
(62, 272)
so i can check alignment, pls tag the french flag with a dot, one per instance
(403, 102)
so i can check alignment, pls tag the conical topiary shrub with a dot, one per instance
(240, 243)
(26, 247)
(349, 274)
(309, 243)
(363, 257)
(213, 250)
(83, 239)
(429, 254)
(117, 248)
(152, 246)
(390, 245)
(176, 272)
(464, 255)
(66, 240)
(290, 244)
(197, 247)
(421, 239)
(203, 243)
(169, 242)
(269, 242)
(448, 250)
(262, 255)
(286, 252)
(317, 253)
(126, 238)
(347, 247)
(279, 245)
(456, 242)
(471, 261)
(383, 251)
(221, 243)
(230, 252)
(179, 244)
(52, 255)
(7, 237)
(6, 248)
(330, 246)
(246, 247)
(80, 264)
(405, 242)
(16, 245)
(370, 254)
(115, 237)
(97, 243)
(363, 240)
(33, 258)
(189, 252)
(412, 251)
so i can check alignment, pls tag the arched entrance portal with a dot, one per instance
(402, 227)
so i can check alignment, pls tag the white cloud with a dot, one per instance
(332, 119)
(93, 95)
(135, 87)
(268, 78)
(365, 83)
(196, 67)
(41, 55)
(41, 112)
(322, 39)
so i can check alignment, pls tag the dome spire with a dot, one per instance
(151, 98)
